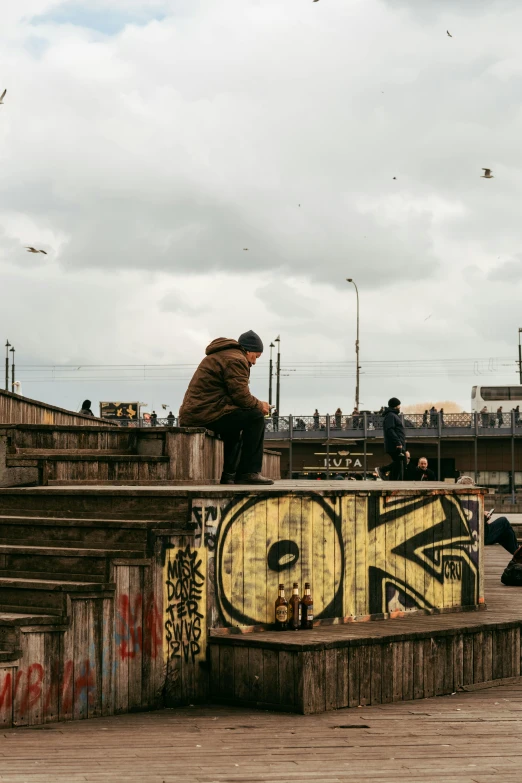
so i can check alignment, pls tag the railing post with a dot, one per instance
(513, 457)
(291, 435)
(327, 445)
(365, 432)
(439, 425)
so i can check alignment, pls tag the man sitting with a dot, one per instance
(218, 397)
(500, 532)
(422, 472)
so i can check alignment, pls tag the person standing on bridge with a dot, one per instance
(394, 438)
(218, 397)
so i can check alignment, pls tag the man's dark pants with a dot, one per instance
(243, 433)
(500, 532)
(397, 466)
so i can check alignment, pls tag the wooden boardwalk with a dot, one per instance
(468, 737)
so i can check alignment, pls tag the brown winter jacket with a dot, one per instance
(219, 385)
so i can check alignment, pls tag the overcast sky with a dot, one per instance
(145, 143)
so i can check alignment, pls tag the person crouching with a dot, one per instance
(218, 398)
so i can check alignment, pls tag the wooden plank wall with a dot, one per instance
(364, 555)
(108, 659)
(271, 464)
(15, 409)
(48, 438)
(360, 674)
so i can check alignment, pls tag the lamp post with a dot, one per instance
(7, 346)
(519, 358)
(278, 374)
(13, 371)
(270, 374)
(357, 365)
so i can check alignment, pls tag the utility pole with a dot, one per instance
(13, 371)
(357, 365)
(7, 346)
(278, 374)
(270, 375)
(519, 358)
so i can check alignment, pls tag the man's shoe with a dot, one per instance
(227, 478)
(252, 478)
(380, 474)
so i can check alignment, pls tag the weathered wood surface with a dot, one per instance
(63, 455)
(466, 738)
(15, 409)
(332, 667)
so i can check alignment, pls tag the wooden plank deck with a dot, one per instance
(361, 663)
(466, 738)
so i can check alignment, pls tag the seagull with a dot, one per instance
(395, 178)
(449, 34)
(429, 316)
(245, 248)
(487, 175)
(2, 96)
(34, 250)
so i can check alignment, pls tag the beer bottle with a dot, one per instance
(307, 609)
(294, 605)
(281, 610)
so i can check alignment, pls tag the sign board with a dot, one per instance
(126, 411)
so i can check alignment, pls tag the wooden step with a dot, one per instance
(36, 453)
(79, 533)
(47, 595)
(137, 503)
(11, 622)
(67, 564)
(9, 655)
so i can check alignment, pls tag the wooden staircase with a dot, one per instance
(50, 455)
(81, 597)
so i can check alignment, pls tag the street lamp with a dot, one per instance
(270, 374)
(357, 365)
(519, 357)
(13, 371)
(7, 346)
(278, 374)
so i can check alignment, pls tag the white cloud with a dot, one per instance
(146, 157)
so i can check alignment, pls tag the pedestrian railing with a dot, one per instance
(367, 421)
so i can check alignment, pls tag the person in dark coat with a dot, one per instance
(500, 416)
(171, 419)
(394, 439)
(218, 397)
(86, 408)
(153, 419)
(422, 472)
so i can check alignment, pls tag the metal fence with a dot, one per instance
(374, 421)
(364, 421)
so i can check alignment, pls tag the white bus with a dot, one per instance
(495, 396)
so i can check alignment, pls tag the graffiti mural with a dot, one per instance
(185, 602)
(364, 554)
(426, 553)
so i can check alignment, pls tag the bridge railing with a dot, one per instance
(355, 421)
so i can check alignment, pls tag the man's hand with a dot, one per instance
(266, 408)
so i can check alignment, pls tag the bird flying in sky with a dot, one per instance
(488, 174)
(2, 96)
(245, 248)
(449, 34)
(34, 250)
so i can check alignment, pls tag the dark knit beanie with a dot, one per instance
(394, 402)
(251, 341)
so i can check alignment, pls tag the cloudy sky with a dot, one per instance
(145, 143)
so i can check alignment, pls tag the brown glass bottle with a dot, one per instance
(281, 610)
(307, 609)
(294, 606)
